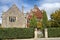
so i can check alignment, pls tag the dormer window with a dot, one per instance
(12, 19)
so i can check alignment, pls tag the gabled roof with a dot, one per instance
(36, 11)
(12, 8)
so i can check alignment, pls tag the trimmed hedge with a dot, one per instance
(53, 32)
(16, 33)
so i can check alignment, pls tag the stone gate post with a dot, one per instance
(46, 33)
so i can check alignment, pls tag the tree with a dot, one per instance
(56, 18)
(33, 21)
(51, 23)
(39, 24)
(44, 19)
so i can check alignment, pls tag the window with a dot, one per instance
(12, 19)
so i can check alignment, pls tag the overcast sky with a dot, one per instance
(48, 5)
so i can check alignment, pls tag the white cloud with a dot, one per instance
(10, 1)
(27, 8)
(0, 18)
(50, 7)
(51, 1)
(4, 8)
(0, 21)
(5, 1)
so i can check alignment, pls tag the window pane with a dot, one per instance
(12, 19)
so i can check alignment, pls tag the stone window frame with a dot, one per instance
(12, 19)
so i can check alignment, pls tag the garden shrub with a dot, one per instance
(53, 32)
(16, 33)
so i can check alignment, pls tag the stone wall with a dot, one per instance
(20, 18)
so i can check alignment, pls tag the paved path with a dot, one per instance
(23, 39)
(48, 39)
(40, 39)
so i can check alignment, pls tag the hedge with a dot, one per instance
(53, 32)
(16, 33)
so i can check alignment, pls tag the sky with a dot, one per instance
(48, 5)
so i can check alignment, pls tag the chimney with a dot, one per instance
(22, 9)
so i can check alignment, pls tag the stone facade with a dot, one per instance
(13, 18)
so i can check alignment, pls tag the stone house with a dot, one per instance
(13, 18)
